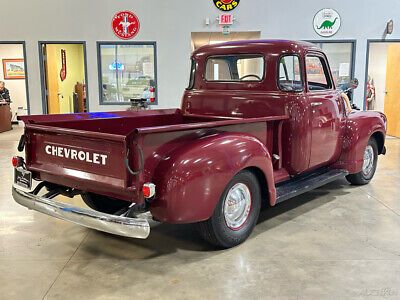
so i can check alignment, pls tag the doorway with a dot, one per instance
(13, 73)
(382, 81)
(208, 38)
(64, 77)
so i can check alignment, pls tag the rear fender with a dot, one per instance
(191, 180)
(358, 129)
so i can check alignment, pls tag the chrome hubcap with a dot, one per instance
(237, 206)
(368, 160)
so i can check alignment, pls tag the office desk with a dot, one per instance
(5, 117)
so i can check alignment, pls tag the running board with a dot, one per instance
(302, 185)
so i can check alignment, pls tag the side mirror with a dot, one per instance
(353, 83)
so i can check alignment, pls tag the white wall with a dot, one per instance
(16, 87)
(377, 70)
(170, 23)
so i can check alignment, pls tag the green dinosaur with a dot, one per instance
(327, 24)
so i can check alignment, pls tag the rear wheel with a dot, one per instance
(103, 204)
(236, 212)
(369, 165)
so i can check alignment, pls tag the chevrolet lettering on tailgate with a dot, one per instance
(73, 154)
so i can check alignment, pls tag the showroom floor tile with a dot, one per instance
(337, 242)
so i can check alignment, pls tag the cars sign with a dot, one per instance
(226, 5)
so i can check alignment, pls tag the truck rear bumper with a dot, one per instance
(129, 227)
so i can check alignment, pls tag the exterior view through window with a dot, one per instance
(289, 79)
(127, 71)
(235, 68)
(317, 77)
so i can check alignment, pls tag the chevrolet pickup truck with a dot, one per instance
(260, 122)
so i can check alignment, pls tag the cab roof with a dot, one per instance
(270, 47)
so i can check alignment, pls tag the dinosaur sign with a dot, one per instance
(125, 25)
(326, 22)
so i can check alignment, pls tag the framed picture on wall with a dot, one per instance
(14, 68)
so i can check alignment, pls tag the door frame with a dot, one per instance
(369, 41)
(43, 73)
(28, 106)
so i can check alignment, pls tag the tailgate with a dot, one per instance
(90, 161)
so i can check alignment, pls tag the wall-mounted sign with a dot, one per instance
(326, 22)
(125, 25)
(63, 71)
(225, 19)
(226, 5)
(226, 30)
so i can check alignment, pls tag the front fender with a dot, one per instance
(191, 180)
(358, 128)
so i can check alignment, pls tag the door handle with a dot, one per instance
(316, 103)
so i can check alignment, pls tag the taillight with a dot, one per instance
(149, 190)
(17, 161)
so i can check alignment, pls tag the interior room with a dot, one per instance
(383, 82)
(12, 73)
(64, 77)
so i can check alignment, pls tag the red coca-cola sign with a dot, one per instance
(125, 24)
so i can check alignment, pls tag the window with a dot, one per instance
(289, 74)
(317, 74)
(340, 56)
(127, 70)
(235, 68)
(192, 74)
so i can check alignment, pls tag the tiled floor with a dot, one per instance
(337, 242)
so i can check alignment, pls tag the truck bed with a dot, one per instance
(89, 152)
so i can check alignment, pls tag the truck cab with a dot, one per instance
(260, 121)
(266, 78)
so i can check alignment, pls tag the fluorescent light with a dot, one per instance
(217, 42)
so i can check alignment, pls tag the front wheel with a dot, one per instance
(236, 212)
(369, 165)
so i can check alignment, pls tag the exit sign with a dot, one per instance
(225, 19)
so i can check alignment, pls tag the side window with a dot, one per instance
(289, 74)
(317, 74)
(192, 74)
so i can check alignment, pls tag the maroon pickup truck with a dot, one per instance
(261, 121)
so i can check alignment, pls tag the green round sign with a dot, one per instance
(326, 22)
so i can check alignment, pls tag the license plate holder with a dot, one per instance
(23, 178)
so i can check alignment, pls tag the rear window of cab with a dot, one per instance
(235, 68)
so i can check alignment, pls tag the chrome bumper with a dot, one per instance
(129, 227)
